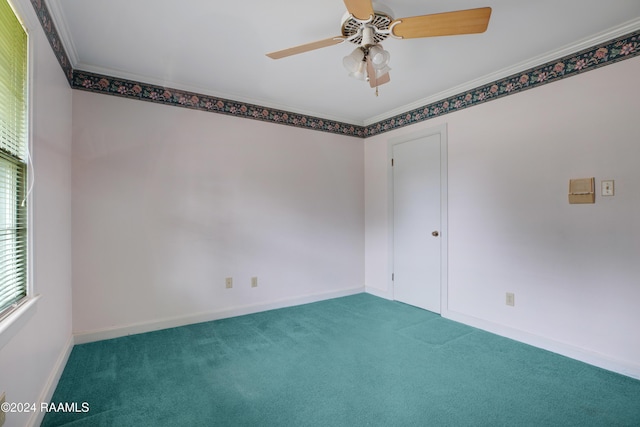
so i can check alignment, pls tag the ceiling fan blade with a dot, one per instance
(361, 9)
(306, 47)
(373, 80)
(385, 78)
(469, 21)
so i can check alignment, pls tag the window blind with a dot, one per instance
(13, 158)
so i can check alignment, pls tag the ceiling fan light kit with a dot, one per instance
(352, 61)
(361, 72)
(378, 56)
(366, 27)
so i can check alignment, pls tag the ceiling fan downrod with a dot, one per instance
(367, 36)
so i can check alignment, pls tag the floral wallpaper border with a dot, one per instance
(625, 47)
(180, 98)
(52, 35)
(621, 48)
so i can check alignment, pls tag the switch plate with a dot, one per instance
(511, 299)
(228, 282)
(607, 187)
(254, 282)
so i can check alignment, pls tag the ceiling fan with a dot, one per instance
(367, 27)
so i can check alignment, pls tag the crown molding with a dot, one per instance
(55, 10)
(610, 34)
(121, 74)
(161, 94)
(52, 35)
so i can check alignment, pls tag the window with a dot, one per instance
(13, 159)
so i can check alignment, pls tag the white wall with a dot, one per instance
(31, 361)
(573, 268)
(167, 202)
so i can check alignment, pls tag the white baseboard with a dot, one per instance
(52, 382)
(378, 293)
(592, 358)
(172, 322)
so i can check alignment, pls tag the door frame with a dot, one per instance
(444, 232)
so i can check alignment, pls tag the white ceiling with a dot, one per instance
(218, 48)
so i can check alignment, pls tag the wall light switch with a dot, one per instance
(607, 188)
(254, 282)
(228, 282)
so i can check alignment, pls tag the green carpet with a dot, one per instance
(352, 361)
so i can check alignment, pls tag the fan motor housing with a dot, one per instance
(352, 28)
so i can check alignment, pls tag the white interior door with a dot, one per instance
(417, 222)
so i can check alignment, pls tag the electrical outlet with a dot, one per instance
(511, 299)
(2, 413)
(254, 282)
(229, 282)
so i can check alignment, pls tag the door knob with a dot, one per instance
(435, 234)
